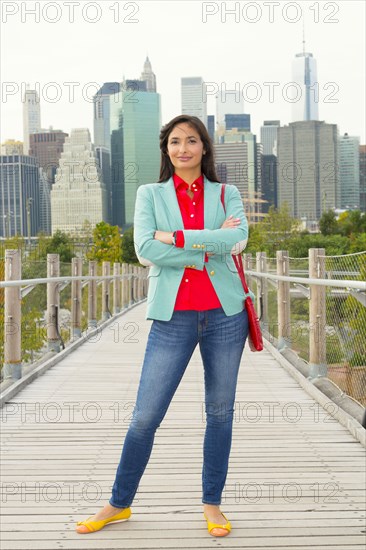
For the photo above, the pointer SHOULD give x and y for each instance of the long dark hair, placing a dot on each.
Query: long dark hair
(208, 162)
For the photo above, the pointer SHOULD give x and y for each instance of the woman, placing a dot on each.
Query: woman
(195, 296)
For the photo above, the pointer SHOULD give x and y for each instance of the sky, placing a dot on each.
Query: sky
(88, 43)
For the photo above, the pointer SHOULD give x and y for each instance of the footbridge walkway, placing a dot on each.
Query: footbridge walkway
(297, 468)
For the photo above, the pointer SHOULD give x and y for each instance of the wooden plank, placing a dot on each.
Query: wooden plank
(313, 455)
(188, 540)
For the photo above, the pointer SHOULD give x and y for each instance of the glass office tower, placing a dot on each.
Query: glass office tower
(19, 196)
(135, 126)
(349, 168)
(305, 97)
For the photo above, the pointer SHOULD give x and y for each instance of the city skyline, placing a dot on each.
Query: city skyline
(88, 57)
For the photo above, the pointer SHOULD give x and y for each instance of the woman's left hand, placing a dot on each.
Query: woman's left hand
(230, 222)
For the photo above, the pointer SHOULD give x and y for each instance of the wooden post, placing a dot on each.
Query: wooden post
(247, 262)
(106, 269)
(92, 296)
(12, 319)
(317, 316)
(283, 301)
(141, 279)
(141, 282)
(132, 275)
(124, 286)
(53, 304)
(76, 271)
(146, 270)
(116, 289)
(262, 294)
(130, 284)
(136, 283)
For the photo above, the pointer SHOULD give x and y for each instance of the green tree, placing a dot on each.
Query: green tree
(106, 244)
(128, 248)
(273, 232)
(352, 221)
(60, 243)
(280, 222)
(328, 223)
(33, 336)
(357, 242)
(334, 245)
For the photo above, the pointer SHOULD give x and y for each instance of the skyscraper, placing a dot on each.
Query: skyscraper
(363, 178)
(269, 136)
(231, 162)
(308, 178)
(211, 127)
(228, 102)
(44, 203)
(78, 194)
(19, 191)
(102, 134)
(304, 95)
(101, 103)
(31, 117)
(236, 164)
(103, 155)
(349, 171)
(194, 97)
(135, 126)
(149, 76)
(269, 181)
(240, 121)
(47, 147)
(248, 183)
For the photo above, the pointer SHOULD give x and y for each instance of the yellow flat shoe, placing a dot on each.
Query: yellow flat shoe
(93, 526)
(211, 526)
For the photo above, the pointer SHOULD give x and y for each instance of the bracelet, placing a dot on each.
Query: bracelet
(173, 238)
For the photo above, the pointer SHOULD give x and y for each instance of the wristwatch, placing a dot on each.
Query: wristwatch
(173, 238)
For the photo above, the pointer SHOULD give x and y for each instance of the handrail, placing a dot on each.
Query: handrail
(22, 282)
(358, 285)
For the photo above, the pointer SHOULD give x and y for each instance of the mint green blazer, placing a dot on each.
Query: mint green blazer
(157, 208)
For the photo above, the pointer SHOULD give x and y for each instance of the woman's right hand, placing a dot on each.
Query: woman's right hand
(230, 222)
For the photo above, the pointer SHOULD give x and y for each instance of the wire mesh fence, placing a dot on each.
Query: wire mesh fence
(346, 324)
(343, 346)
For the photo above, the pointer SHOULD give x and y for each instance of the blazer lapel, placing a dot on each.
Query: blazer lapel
(212, 203)
(169, 195)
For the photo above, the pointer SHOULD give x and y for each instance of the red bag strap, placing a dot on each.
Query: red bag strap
(237, 258)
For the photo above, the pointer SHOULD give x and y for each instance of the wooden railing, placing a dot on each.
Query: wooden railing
(129, 284)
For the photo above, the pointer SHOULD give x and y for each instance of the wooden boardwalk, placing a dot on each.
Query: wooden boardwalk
(296, 478)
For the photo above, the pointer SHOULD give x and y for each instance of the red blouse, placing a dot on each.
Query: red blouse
(196, 291)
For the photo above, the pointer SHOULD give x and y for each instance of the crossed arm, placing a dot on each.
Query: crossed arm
(153, 247)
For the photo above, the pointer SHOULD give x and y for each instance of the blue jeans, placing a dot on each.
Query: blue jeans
(169, 348)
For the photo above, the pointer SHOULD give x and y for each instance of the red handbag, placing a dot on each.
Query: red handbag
(255, 339)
